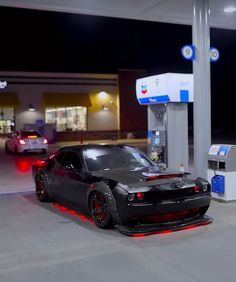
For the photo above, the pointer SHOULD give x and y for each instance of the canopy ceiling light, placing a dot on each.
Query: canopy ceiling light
(3, 84)
(31, 108)
(102, 95)
(230, 9)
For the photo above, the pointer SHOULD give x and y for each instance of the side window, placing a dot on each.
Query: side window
(56, 160)
(71, 161)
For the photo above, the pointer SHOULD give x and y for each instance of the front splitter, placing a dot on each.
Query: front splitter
(162, 228)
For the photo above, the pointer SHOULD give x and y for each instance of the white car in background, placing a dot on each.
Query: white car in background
(25, 141)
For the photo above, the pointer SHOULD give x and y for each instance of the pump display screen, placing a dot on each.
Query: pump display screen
(218, 150)
(157, 141)
(223, 150)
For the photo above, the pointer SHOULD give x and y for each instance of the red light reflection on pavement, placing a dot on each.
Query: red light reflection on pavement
(23, 165)
(135, 235)
(72, 212)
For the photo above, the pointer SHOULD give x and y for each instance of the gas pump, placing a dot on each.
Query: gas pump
(166, 97)
(157, 134)
(158, 146)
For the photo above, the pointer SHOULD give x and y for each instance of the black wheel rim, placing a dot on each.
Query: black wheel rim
(40, 191)
(99, 208)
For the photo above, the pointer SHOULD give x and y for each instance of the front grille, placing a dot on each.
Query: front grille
(168, 217)
(173, 194)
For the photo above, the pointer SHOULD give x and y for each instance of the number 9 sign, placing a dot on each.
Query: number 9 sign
(188, 52)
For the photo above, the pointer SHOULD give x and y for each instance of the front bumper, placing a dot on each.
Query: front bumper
(141, 230)
(129, 212)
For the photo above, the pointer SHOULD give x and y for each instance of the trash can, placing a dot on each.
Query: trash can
(218, 184)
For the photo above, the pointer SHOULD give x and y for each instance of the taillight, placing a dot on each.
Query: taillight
(45, 141)
(21, 141)
(131, 197)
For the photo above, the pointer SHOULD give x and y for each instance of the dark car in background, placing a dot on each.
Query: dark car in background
(119, 185)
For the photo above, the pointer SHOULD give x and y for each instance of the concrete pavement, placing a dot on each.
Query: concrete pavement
(41, 242)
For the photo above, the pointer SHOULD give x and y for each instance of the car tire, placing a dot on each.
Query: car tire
(7, 149)
(40, 189)
(44, 152)
(100, 211)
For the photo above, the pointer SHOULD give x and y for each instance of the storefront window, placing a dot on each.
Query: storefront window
(7, 120)
(67, 118)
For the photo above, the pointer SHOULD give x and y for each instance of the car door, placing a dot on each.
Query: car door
(72, 187)
(54, 174)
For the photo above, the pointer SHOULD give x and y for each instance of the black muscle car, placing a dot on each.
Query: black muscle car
(119, 185)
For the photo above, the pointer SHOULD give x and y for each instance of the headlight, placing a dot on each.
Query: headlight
(135, 196)
(204, 187)
(130, 197)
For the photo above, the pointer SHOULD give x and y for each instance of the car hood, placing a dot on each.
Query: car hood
(140, 177)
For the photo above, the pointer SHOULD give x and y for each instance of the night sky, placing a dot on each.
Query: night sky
(61, 42)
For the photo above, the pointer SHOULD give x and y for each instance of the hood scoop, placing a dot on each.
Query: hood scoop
(162, 176)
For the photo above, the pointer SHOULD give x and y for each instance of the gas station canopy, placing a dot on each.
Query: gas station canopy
(168, 11)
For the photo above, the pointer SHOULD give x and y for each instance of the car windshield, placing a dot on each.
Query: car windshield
(30, 134)
(115, 157)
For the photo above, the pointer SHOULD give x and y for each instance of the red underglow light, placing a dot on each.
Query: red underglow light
(139, 235)
(72, 212)
(167, 231)
(84, 217)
